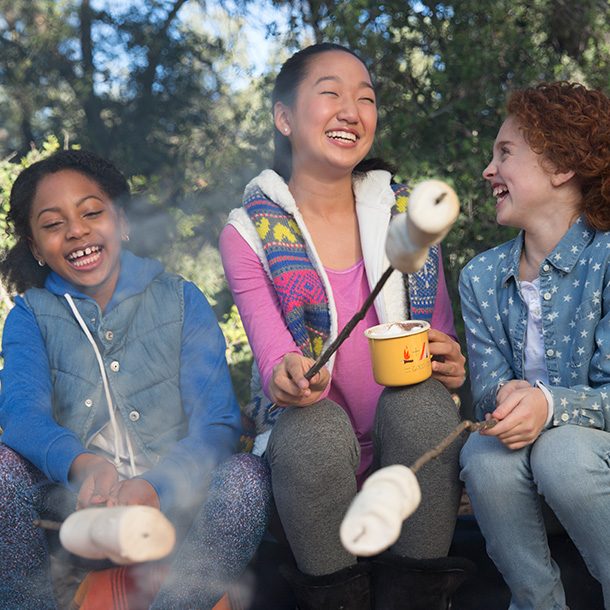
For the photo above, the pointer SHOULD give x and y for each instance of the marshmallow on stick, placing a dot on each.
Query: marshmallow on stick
(124, 534)
(376, 514)
(388, 497)
(433, 208)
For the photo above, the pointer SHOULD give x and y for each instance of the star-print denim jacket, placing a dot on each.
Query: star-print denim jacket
(575, 305)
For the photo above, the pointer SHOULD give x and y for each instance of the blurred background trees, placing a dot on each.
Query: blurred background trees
(176, 92)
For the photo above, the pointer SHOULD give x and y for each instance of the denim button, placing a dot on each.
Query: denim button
(565, 417)
(550, 352)
(115, 366)
(134, 416)
(547, 296)
(109, 335)
(88, 403)
(546, 267)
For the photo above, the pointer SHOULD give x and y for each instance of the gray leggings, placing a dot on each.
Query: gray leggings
(314, 454)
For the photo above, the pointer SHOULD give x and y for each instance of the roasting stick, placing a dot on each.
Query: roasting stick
(47, 524)
(433, 208)
(389, 496)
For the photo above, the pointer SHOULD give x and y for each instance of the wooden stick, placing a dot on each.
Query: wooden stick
(347, 329)
(436, 451)
(47, 525)
(344, 334)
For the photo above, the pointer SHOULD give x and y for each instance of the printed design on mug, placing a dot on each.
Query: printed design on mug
(423, 353)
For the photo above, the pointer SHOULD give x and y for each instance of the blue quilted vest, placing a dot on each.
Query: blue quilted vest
(140, 343)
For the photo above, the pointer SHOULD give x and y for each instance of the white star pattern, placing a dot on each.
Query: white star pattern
(575, 274)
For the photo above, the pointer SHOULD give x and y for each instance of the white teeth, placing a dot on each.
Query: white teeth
(499, 190)
(74, 256)
(342, 135)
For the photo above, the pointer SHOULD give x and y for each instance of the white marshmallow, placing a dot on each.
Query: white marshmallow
(124, 534)
(433, 208)
(374, 519)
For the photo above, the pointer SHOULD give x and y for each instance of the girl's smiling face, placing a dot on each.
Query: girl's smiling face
(76, 230)
(522, 181)
(332, 122)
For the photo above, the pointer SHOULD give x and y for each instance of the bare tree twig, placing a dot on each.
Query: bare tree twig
(436, 451)
(47, 525)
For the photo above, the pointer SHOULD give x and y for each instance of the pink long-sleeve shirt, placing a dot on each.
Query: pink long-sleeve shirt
(352, 384)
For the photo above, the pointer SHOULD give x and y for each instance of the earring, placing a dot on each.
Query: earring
(125, 237)
(41, 262)
(286, 130)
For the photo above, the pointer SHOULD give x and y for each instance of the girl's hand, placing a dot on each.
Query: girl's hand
(448, 364)
(96, 477)
(508, 387)
(288, 386)
(521, 413)
(134, 492)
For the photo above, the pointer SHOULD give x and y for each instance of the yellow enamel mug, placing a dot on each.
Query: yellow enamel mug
(400, 352)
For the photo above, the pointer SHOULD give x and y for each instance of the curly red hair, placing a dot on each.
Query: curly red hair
(570, 125)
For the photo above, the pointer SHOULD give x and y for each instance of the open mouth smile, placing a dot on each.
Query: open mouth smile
(84, 257)
(499, 192)
(342, 136)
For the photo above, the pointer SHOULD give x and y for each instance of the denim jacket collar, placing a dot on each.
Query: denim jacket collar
(565, 255)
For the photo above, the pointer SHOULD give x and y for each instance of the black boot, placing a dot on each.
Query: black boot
(401, 583)
(347, 589)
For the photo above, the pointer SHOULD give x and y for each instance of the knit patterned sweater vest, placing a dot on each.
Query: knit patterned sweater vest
(299, 288)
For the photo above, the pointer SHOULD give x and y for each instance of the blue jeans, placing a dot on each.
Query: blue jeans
(570, 467)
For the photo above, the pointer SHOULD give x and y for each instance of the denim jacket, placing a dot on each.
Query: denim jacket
(575, 305)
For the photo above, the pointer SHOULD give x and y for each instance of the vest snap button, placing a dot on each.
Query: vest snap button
(88, 403)
(109, 335)
(115, 366)
(134, 416)
(565, 417)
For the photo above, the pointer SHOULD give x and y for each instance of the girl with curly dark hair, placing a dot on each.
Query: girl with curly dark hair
(115, 391)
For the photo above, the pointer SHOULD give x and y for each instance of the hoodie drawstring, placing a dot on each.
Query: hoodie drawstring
(109, 403)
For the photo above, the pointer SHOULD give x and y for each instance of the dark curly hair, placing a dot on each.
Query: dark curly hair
(18, 268)
(570, 125)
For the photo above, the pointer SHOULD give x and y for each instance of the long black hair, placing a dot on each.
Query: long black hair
(290, 76)
(19, 269)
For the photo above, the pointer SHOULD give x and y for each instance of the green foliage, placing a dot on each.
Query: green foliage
(239, 354)
(9, 170)
(164, 89)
